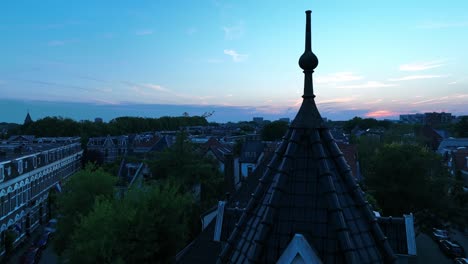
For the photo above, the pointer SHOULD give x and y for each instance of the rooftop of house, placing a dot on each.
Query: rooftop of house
(19, 146)
(217, 148)
(251, 151)
(450, 144)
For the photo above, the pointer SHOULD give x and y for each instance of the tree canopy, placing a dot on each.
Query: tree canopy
(148, 225)
(364, 123)
(184, 164)
(407, 178)
(77, 199)
(65, 127)
(274, 130)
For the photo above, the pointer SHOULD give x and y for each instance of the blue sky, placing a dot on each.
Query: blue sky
(377, 58)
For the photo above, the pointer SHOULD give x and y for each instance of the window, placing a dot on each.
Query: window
(35, 161)
(2, 171)
(20, 166)
(26, 164)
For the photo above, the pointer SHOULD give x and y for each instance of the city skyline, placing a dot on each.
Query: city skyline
(238, 58)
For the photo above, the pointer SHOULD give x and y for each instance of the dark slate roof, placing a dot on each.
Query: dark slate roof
(216, 148)
(350, 154)
(308, 189)
(251, 151)
(201, 250)
(394, 229)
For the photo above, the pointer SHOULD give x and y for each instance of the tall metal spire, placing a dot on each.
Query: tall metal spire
(308, 61)
(308, 115)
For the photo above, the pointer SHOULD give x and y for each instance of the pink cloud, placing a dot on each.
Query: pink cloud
(381, 113)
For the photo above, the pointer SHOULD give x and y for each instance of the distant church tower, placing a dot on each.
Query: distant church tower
(28, 119)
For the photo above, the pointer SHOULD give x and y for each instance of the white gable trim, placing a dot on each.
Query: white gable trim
(219, 221)
(299, 247)
(410, 235)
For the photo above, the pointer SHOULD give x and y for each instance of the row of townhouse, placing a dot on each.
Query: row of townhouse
(113, 147)
(28, 171)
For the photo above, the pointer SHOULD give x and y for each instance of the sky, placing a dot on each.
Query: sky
(86, 59)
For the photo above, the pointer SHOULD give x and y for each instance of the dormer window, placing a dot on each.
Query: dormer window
(20, 166)
(35, 161)
(9, 171)
(26, 164)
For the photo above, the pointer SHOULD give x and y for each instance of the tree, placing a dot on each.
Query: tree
(461, 128)
(148, 226)
(183, 164)
(407, 178)
(274, 131)
(77, 199)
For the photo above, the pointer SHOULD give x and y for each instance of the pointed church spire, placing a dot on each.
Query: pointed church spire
(28, 119)
(308, 115)
(308, 61)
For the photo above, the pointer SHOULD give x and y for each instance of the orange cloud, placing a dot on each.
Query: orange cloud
(381, 113)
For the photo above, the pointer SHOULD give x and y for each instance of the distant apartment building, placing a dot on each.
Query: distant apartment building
(29, 168)
(258, 120)
(435, 119)
(412, 119)
(430, 119)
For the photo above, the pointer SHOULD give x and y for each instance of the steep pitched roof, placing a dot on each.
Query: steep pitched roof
(251, 151)
(308, 189)
(216, 148)
(27, 119)
(450, 144)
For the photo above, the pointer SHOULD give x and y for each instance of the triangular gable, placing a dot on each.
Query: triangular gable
(299, 251)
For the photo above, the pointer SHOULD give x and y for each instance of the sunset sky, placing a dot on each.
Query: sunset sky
(376, 58)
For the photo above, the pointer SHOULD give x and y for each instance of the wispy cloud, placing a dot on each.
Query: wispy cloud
(236, 56)
(425, 101)
(381, 113)
(336, 100)
(440, 25)
(56, 84)
(156, 87)
(233, 32)
(421, 66)
(338, 77)
(416, 77)
(55, 43)
(377, 101)
(144, 32)
(369, 84)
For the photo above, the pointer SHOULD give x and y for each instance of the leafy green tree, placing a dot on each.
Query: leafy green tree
(77, 199)
(461, 128)
(148, 226)
(407, 178)
(458, 195)
(183, 164)
(274, 131)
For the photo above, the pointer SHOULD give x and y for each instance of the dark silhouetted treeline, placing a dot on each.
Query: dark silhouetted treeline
(66, 127)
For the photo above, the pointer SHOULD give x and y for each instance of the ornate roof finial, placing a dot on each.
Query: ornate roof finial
(308, 61)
